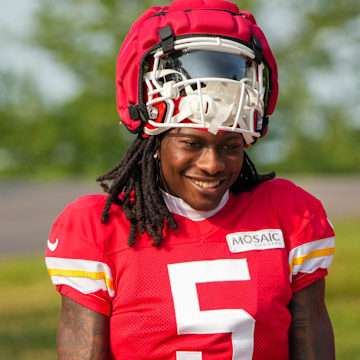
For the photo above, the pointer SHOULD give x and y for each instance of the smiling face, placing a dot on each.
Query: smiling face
(199, 167)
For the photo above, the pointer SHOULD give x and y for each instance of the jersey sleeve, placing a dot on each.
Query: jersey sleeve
(75, 256)
(310, 237)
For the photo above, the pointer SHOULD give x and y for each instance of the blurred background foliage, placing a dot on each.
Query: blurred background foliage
(315, 128)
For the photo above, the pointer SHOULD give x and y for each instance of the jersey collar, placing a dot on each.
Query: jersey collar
(180, 207)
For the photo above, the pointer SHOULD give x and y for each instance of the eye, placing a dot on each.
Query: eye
(193, 145)
(231, 147)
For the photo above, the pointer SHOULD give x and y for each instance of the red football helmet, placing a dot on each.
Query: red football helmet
(200, 64)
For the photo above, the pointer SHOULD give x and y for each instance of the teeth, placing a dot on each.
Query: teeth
(207, 184)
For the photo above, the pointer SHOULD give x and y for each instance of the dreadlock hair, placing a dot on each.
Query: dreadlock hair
(135, 186)
(249, 178)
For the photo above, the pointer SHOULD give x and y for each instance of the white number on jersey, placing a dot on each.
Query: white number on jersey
(189, 318)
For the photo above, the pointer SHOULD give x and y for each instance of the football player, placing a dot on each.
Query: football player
(192, 254)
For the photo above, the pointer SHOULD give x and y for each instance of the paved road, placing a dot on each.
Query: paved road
(27, 210)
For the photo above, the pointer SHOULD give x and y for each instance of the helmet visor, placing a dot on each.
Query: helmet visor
(197, 64)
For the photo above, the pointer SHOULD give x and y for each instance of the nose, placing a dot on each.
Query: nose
(210, 161)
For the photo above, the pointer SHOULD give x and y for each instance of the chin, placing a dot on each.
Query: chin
(203, 205)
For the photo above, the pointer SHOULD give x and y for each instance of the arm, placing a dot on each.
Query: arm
(83, 334)
(311, 334)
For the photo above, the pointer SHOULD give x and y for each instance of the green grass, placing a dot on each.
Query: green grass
(29, 304)
(29, 309)
(343, 290)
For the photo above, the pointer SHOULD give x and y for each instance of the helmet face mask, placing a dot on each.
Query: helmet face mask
(207, 82)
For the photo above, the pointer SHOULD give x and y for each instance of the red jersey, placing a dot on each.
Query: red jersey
(215, 289)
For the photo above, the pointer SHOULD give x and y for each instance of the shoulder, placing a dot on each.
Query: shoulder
(279, 185)
(286, 194)
(88, 207)
(79, 216)
(302, 216)
(85, 214)
(283, 200)
(85, 207)
(79, 227)
(77, 257)
(86, 203)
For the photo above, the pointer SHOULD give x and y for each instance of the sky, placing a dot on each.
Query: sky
(20, 56)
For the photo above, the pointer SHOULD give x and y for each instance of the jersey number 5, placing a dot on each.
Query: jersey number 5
(189, 318)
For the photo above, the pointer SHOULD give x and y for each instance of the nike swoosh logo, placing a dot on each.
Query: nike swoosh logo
(53, 246)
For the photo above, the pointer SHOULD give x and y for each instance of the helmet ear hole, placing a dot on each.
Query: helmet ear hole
(161, 107)
(158, 109)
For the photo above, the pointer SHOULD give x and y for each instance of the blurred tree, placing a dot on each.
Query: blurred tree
(315, 127)
(316, 45)
(24, 132)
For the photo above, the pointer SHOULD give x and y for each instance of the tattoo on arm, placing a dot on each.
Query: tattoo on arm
(83, 334)
(311, 335)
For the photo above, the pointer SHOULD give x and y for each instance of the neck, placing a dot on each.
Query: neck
(180, 207)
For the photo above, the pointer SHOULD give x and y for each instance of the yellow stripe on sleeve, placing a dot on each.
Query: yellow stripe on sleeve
(314, 254)
(83, 274)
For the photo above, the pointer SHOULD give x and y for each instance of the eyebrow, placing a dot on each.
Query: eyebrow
(178, 135)
(182, 135)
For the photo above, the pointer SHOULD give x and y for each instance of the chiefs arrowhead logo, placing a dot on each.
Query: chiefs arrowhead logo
(53, 246)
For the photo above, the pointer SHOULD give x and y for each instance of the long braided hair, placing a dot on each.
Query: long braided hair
(134, 185)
